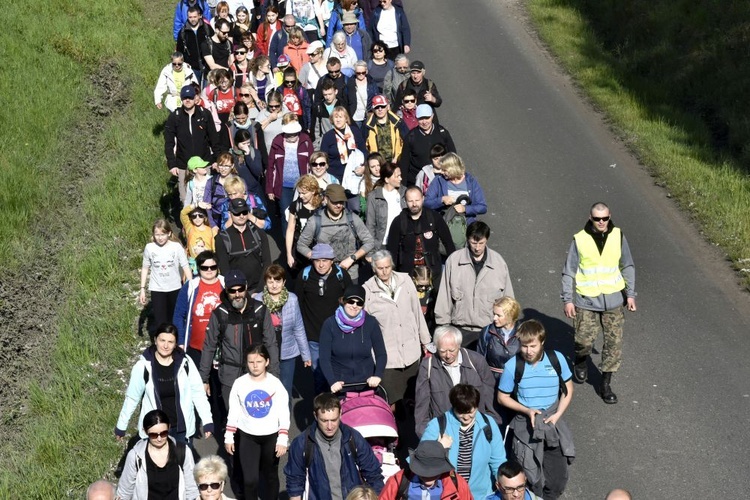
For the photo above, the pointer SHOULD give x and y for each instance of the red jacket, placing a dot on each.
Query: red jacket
(449, 488)
(275, 172)
(263, 38)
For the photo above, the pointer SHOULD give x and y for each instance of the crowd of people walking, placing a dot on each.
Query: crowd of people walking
(306, 123)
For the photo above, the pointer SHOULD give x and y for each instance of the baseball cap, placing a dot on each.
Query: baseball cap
(317, 44)
(417, 65)
(354, 291)
(187, 92)
(238, 205)
(283, 60)
(424, 111)
(379, 100)
(196, 162)
(234, 278)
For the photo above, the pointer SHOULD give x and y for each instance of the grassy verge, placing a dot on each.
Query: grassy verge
(674, 145)
(61, 121)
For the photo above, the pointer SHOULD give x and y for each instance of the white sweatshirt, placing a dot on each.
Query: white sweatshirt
(258, 408)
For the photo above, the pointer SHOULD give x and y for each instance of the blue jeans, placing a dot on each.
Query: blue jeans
(287, 194)
(318, 378)
(286, 375)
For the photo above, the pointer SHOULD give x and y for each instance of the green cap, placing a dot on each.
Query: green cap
(196, 162)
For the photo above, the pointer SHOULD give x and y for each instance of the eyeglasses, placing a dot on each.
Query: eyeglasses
(360, 73)
(205, 486)
(156, 435)
(378, 49)
(379, 107)
(600, 219)
(407, 101)
(240, 53)
(236, 290)
(176, 65)
(197, 216)
(209, 268)
(355, 302)
(224, 166)
(513, 489)
(243, 213)
(318, 164)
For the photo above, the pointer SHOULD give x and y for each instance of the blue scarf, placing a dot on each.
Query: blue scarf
(347, 324)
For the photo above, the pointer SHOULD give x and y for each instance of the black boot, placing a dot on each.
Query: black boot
(606, 393)
(581, 369)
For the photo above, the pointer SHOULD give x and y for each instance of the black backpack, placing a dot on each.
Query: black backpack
(521, 366)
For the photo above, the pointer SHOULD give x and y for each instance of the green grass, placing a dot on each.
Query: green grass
(674, 144)
(65, 440)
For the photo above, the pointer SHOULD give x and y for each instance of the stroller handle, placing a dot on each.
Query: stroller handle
(376, 389)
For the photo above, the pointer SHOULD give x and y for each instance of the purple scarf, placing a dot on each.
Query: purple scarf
(347, 324)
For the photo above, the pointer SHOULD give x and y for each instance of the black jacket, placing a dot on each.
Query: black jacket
(416, 152)
(194, 135)
(431, 228)
(316, 308)
(189, 43)
(249, 253)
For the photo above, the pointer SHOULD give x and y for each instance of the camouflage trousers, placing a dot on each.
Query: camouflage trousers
(589, 323)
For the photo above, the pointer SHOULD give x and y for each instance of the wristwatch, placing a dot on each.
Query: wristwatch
(353, 257)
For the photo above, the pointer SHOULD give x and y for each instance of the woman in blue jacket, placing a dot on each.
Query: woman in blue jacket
(474, 442)
(398, 41)
(456, 188)
(286, 317)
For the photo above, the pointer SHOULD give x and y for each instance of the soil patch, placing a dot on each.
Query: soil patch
(30, 296)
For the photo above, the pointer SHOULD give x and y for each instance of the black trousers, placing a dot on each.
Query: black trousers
(258, 454)
(162, 307)
(555, 469)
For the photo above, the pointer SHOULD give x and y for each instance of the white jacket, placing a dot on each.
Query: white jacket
(166, 85)
(133, 483)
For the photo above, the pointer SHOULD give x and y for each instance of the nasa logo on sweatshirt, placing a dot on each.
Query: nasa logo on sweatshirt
(258, 403)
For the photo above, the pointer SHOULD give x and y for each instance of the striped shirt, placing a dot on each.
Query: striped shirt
(465, 449)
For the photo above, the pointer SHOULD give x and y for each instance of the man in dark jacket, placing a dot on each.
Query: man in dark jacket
(319, 288)
(235, 325)
(332, 456)
(426, 90)
(333, 66)
(243, 246)
(419, 142)
(189, 39)
(415, 236)
(189, 131)
(451, 365)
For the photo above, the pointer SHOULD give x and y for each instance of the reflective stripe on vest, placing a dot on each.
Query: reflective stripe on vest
(599, 273)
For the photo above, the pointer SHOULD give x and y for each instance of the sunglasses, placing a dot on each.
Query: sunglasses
(332, 73)
(197, 216)
(176, 65)
(245, 95)
(407, 101)
(318, 164)
(360, 73)
(225, 33)
(423, 288)
(244, 212)
(355, 302)
(600, 219)
(378, 49)
(236, 290)
(155, 435)
(209, 268)
(290, 82)
(205, 486)
(240, 53)
(274, 106)
(379, 107)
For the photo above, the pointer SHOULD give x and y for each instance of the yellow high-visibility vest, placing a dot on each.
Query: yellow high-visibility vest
(599, 273)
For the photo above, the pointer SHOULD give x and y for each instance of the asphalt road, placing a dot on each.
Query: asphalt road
(543, 157)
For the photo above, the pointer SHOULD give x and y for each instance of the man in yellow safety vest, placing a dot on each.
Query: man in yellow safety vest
(601, 266)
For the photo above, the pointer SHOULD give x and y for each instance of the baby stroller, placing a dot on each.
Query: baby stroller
(371, 415)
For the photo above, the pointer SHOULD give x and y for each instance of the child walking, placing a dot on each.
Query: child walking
(164, 257)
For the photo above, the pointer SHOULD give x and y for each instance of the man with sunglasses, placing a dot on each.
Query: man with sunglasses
(243, 246)
(239, 322)
(384, 131)
(601, 266)
(319, 287)
(217, 50)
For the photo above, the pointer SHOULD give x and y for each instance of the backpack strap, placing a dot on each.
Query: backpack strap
(308, 450)
(306, 273)
(555, 362)
(442, 423)
(487, 429)
(521, 366)
(179, 453)
(403, 484)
